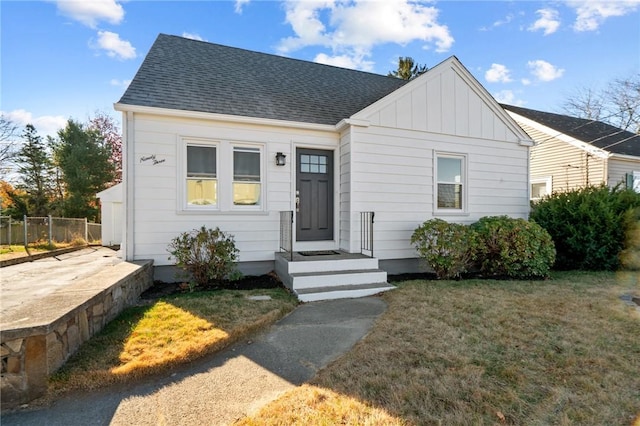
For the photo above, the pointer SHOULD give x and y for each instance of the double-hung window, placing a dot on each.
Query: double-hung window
(450, 182)
(247, 187)
(202, 177)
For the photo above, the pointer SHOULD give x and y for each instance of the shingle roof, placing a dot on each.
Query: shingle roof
(184, 74)
(596, 133)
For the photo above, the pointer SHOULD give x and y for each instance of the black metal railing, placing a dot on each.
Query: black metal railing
(286, 232)
(366, 232)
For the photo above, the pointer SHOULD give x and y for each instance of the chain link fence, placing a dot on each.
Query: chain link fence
(47, 230)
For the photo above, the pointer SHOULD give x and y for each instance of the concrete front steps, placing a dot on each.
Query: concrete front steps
(334, 276)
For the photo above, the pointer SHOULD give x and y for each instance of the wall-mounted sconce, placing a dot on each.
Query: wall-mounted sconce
(280, 159)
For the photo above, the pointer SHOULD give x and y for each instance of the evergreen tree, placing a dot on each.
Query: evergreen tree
(84, 163)
(408, 69)
(34, 167)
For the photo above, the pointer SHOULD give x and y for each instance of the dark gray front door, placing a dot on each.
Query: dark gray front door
(314, 189)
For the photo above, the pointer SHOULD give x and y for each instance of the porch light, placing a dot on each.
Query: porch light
(280, 159)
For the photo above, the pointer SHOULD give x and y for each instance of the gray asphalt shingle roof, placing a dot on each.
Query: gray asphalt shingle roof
(596, 133)
(185, 74)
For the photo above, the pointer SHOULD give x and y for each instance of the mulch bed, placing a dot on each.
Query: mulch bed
(161, 289)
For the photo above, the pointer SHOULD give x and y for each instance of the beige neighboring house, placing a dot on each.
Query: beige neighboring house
(573, 152)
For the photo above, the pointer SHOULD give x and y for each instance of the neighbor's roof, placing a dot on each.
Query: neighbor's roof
(596, 133)
(185, 74)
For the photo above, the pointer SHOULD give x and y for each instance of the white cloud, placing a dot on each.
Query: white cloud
(352, 28)
(44, 124)
(114, 46)
(499, 23)
(591, 14)
(90, 12)
(193, 36)
(239, 5)
(344, 61)
(544, 71)
(525, 81)
(508, 97)
(498, 73)
(548, 21)
(120, 83)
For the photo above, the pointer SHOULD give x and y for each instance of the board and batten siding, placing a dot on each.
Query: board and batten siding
(158, 217)
(392, 159)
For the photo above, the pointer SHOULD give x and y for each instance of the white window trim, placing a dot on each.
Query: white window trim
(464, 211)
(547, 180)
(224, 177)
(182, 175)
(229, 185)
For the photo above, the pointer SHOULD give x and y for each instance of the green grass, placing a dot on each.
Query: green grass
(144, 340)
(564, 351)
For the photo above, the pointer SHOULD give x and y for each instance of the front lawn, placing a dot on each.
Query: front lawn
(562, 351)
(176, 329)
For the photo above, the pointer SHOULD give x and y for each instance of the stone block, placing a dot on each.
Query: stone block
(84, 326)
(73, 339)
(14, 366)
(35, 366)
(55, 353)
(4, 351)
(14, 345)
(98, 309)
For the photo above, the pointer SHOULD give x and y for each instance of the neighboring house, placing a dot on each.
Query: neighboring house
(112, 215)
(205, 125)
(573, 152)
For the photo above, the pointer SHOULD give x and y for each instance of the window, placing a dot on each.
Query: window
(202, 183)
(246, 176)
(540, 187)
(313, 164)
(450, 172)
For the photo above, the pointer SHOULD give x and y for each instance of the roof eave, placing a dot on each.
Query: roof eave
(222, 117)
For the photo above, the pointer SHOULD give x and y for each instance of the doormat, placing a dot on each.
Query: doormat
(318, 253)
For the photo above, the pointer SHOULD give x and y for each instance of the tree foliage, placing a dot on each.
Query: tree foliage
(618, 104)
(112, 139)
(34, 167)
(407, 69)
(8, 148)
(84, 160)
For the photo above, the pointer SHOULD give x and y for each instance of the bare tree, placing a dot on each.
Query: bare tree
(618, 104)
(8, 144)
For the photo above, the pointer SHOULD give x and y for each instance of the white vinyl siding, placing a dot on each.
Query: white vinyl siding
(619, 167)
(159, 206)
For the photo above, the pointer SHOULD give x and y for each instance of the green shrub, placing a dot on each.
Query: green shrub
(589, 226)
(205, 255)
(514, 248)
(448, 248)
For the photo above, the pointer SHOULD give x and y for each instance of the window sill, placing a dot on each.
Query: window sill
(450, 213)
(235, 212)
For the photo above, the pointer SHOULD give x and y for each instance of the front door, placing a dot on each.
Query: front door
(314, 195)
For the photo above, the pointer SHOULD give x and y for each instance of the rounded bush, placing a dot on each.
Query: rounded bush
(205, 254)
(448, 248)
(514, 248)
(589, 225)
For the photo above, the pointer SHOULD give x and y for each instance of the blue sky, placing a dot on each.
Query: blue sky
(70, 58)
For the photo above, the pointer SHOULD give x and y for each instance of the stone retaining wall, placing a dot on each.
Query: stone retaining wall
(31, 354)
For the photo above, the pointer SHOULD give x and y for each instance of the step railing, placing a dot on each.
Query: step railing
(366, 232)
(286, 232)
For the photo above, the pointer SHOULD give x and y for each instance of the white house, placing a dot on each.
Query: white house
(206, 125)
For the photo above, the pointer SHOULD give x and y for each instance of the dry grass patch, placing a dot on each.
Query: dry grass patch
(562, 351)
(149, 339)
(311, 405)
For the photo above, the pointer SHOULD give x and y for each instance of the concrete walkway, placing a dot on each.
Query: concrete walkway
(222, 388)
